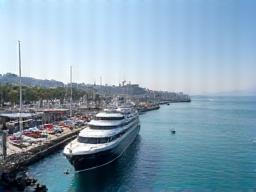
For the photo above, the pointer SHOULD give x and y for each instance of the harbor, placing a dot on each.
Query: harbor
(199, 156)
(127, 96)
(45, 131)
(41, 124)
(39, 142)
(47, 119)
(39, 117)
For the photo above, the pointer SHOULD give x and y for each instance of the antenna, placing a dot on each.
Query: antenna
(20, 118)
(70, 91)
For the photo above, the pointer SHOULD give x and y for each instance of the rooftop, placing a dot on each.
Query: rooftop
(17, 115)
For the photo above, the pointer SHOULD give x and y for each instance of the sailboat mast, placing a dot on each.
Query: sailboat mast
(20, 110)
(70, 91)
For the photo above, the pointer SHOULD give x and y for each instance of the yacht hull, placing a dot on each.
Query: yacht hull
(95, 160)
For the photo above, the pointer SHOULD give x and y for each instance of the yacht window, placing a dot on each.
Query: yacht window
(104, 140)
(102, 127)
(91, 140)
(109, 118)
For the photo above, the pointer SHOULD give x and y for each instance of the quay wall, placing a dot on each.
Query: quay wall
(50, 148)
(17, 161)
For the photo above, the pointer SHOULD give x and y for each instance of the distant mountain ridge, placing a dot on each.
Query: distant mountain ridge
(10, 78)
(130, 89)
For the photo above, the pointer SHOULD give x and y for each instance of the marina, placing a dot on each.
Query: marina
(127, 96)
(46, 131)
(213, 155)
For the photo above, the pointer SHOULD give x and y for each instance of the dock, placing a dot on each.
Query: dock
(18, 158)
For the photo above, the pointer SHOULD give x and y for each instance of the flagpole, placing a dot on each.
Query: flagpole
(70, 91)
(20, 110)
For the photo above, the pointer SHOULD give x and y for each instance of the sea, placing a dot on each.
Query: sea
(214, 149)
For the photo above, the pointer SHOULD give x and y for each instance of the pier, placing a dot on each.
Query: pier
(21, 157)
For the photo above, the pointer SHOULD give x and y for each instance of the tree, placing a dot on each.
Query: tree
(13, 96)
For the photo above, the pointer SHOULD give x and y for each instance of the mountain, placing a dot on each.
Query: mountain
(122, 89)
(10, 78)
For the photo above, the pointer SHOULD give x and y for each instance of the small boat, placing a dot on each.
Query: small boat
(173, 131)
(66, 172)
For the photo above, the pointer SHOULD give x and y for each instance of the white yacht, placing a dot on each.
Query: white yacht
(107, 136)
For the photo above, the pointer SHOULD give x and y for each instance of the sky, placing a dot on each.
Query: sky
(194, 46)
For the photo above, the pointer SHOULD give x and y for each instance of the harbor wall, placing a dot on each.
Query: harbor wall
(17, 161)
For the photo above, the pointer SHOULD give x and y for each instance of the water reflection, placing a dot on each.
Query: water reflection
(109, 178)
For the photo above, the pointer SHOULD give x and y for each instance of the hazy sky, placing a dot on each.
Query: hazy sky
(195, 46)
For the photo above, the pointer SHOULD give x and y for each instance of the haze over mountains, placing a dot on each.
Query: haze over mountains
(10, 78)
(13, 79)
(122, 88)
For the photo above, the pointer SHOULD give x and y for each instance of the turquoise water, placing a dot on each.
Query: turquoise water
(214, 149)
